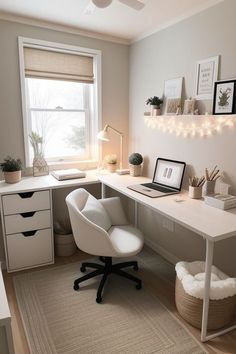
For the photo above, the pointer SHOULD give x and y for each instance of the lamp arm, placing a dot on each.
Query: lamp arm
(115, 130)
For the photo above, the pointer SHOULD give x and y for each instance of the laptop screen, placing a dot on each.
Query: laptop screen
(169, 173)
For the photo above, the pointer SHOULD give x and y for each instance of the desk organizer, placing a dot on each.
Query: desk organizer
(221, 311)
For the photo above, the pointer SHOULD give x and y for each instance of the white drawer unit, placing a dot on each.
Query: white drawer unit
(25, 202)
(28, 229)
(32, 220)
(29, 248)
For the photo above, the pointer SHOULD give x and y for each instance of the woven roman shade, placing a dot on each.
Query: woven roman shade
(48, 64)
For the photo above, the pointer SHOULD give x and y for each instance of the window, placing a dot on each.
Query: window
(60, 100)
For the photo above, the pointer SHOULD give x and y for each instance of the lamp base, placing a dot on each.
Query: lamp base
(123, 171)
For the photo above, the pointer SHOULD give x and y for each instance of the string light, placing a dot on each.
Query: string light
(183, 125)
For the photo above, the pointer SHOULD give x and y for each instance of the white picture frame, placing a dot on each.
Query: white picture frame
(206, 75)
(172, 92)
(173, 88)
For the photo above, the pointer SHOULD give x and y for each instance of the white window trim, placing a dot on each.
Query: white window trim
(96, 54)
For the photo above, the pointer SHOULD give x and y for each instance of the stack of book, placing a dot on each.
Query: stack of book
(71, 173)
(221, 201)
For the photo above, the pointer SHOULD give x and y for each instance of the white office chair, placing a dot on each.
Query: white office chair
(101, 228)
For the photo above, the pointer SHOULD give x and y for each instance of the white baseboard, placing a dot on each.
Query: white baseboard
(162, 252)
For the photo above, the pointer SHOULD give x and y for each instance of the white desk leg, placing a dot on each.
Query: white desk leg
(103, 191)
(205, 311)
(136, 213)
(9, 339)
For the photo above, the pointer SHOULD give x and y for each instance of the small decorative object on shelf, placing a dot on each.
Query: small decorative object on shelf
(210, 181)
(135, 164)
(189, 106)
(11, 169)
(111, 162)
(155, 103)
(40, 166)
(195, 187)
(178, 111)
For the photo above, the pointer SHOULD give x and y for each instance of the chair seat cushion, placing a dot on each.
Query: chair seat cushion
(96, 213)
(127, 240)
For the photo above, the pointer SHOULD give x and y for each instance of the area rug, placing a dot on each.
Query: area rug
(59, 320)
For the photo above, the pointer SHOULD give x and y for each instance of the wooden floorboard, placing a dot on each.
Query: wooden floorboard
(161, 287)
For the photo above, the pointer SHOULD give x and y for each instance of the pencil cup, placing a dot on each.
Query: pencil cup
(195, 192)
(209, 187)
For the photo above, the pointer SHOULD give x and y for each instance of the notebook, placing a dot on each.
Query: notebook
(71, 173)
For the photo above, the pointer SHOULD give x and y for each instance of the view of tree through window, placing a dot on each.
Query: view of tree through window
(58, 112)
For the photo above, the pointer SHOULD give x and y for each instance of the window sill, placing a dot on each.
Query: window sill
(60, 165)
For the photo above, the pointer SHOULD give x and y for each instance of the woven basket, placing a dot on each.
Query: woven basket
(221, 312)
(135, 170)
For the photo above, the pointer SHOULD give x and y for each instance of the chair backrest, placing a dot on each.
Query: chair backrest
(88, 236)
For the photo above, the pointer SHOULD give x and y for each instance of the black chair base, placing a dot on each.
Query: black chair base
(105, 270)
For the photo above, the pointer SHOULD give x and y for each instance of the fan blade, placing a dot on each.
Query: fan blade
(134, 4)
(89, 9)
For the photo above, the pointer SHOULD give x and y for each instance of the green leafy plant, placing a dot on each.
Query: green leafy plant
(135, 159)
(111, 159)
(11, 165)
(154, 101)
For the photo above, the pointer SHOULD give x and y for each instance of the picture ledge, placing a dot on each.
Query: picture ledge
(191, 126)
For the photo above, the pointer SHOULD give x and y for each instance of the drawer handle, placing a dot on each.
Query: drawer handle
(28, 215)
(26, 195)
(29, 233)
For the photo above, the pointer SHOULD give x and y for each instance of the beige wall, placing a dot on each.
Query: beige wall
(114, 84)
(172, 53)
(115, 87)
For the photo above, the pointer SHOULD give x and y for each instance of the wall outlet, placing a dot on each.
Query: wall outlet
(168, 224)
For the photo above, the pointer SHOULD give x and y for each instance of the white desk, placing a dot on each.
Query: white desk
(210, 223)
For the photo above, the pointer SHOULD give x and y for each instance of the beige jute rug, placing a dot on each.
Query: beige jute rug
(59, 320)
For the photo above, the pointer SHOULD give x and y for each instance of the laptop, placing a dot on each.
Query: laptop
(167, 179)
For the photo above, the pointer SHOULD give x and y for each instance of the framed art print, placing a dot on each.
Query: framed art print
(172, 95)
(224, 97)
(206, 75)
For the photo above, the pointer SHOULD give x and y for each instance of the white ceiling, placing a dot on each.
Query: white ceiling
(117, 20)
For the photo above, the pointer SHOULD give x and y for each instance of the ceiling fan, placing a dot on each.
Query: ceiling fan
(134, 4)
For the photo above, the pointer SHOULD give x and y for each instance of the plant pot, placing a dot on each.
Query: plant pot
(111, 167)
(195, 192)
(12, 177)
(64, 245)
(135, 170)
(155, 110)
(209, 188)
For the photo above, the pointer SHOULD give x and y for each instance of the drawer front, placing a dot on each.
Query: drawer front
(25, 202)
(35, 220)
(29, 250)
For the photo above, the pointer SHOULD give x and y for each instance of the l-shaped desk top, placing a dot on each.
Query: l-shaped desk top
(195, 215)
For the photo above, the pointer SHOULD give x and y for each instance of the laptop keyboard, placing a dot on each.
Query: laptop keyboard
(158, 188)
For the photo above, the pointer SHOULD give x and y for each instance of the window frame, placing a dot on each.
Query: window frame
(94, 125)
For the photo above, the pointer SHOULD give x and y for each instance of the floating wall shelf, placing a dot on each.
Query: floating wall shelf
(191, 125)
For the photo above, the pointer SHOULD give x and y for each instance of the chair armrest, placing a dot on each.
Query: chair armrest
(115, 210)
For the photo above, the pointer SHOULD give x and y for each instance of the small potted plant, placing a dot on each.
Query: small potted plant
(155, 103)
(11, 169)
(111, 162)
(135, 162)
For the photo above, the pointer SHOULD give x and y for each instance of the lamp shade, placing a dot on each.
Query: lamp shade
(103, 135)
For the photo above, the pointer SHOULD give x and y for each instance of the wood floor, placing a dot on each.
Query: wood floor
(160, 285)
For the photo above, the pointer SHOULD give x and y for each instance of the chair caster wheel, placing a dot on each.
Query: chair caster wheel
(76, 286)
(139, 286)
(135, 267)
(82, 269)
(99, 299)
